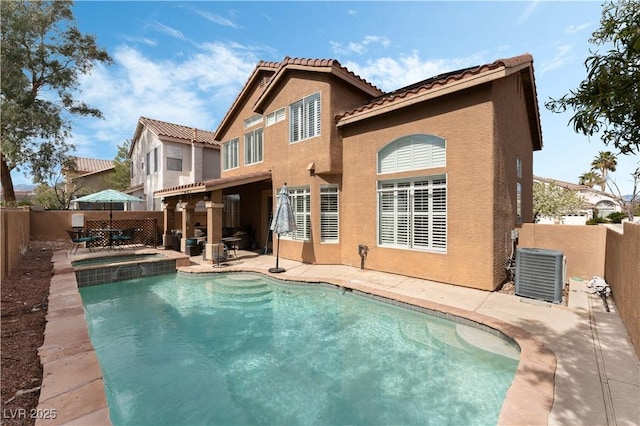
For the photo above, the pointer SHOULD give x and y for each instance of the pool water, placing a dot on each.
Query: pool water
(247, 349)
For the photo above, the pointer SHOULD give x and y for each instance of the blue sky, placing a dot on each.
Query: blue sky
(185, 62)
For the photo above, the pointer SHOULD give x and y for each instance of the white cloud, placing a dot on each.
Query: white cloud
(195, 91)
(390, 74)
(360, 47)
(563, 53)
(526, 13)
(172, 32)
(572, 29)
(217, 19)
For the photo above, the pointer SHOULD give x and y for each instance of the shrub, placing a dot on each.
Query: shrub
(596, 220)
(616, 217)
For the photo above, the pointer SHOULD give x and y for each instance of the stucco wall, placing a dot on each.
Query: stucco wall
(14, 238)
(53, 225)
(465, 121)
(513, 142)
(622, 273)
(583, 246)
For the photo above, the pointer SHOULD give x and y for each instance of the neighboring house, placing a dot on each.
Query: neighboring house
(90, 173)
(597, 203)
(165, 155)
(425, 181)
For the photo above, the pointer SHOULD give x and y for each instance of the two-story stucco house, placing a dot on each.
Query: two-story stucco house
(165, 154)
(428, 180)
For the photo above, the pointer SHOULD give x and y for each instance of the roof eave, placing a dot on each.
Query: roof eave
(333, 69)
(431, 93)
(252, 79)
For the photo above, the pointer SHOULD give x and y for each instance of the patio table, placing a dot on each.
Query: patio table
(108, 232)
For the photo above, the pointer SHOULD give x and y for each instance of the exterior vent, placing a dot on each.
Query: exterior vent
(540, 274)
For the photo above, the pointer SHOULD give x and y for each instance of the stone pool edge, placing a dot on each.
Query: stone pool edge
(72, 389)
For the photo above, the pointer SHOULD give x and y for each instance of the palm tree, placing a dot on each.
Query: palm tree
(604, 162)
(590, 179)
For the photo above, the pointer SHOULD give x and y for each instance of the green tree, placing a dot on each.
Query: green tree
(590, 179)
(43, 55)
(120, 179)
(553, 201)
(608, 100)
(604, 162)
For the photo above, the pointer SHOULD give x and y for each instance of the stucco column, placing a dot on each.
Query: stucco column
(169, 208)
(214, 227)
(187, 227)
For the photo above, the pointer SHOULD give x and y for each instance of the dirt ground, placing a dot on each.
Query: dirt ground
(24, 306)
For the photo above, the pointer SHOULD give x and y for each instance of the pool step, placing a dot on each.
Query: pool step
(242, 291)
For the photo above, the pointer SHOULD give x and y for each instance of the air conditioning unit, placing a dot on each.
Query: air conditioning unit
(540, 274)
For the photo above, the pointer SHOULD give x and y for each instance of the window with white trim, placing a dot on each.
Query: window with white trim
(230, 155)
(275, 117)
(412, 213)
(329, 214)
(412, 152)
(300, 199)
(253, 121)
(253, 147)
(304, 118)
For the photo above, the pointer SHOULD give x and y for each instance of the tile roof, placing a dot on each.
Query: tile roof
(573, 186)
(178, 131)
(325, 63)
(277, 69)
(437, 81)
(91, 165)
(209, 185)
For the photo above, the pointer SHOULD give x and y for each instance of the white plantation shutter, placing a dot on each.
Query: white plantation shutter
(300, 199)
(253, 147)
(305, 118)
(230, 154)
(387, 214)
(329, 219)
(412, 213)
(412, 152)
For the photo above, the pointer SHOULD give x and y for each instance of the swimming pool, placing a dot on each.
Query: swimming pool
(247, 349)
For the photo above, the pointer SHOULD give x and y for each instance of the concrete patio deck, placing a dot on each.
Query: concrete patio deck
(577, 365)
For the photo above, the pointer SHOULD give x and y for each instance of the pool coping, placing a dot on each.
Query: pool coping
(72, 382)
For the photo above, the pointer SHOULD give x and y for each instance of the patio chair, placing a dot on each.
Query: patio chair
(78, 237)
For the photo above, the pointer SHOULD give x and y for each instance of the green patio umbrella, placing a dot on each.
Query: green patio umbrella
(109, 196)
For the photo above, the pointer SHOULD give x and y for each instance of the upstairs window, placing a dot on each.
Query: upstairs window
(174, 158)
(155, 159)
(253, 147)
(230, 155)
(148, 163)
(275, 117)
(304, 118)
(413, 152)
(253, 121)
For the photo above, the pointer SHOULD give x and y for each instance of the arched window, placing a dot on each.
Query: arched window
(605, 207)
(412, 152)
